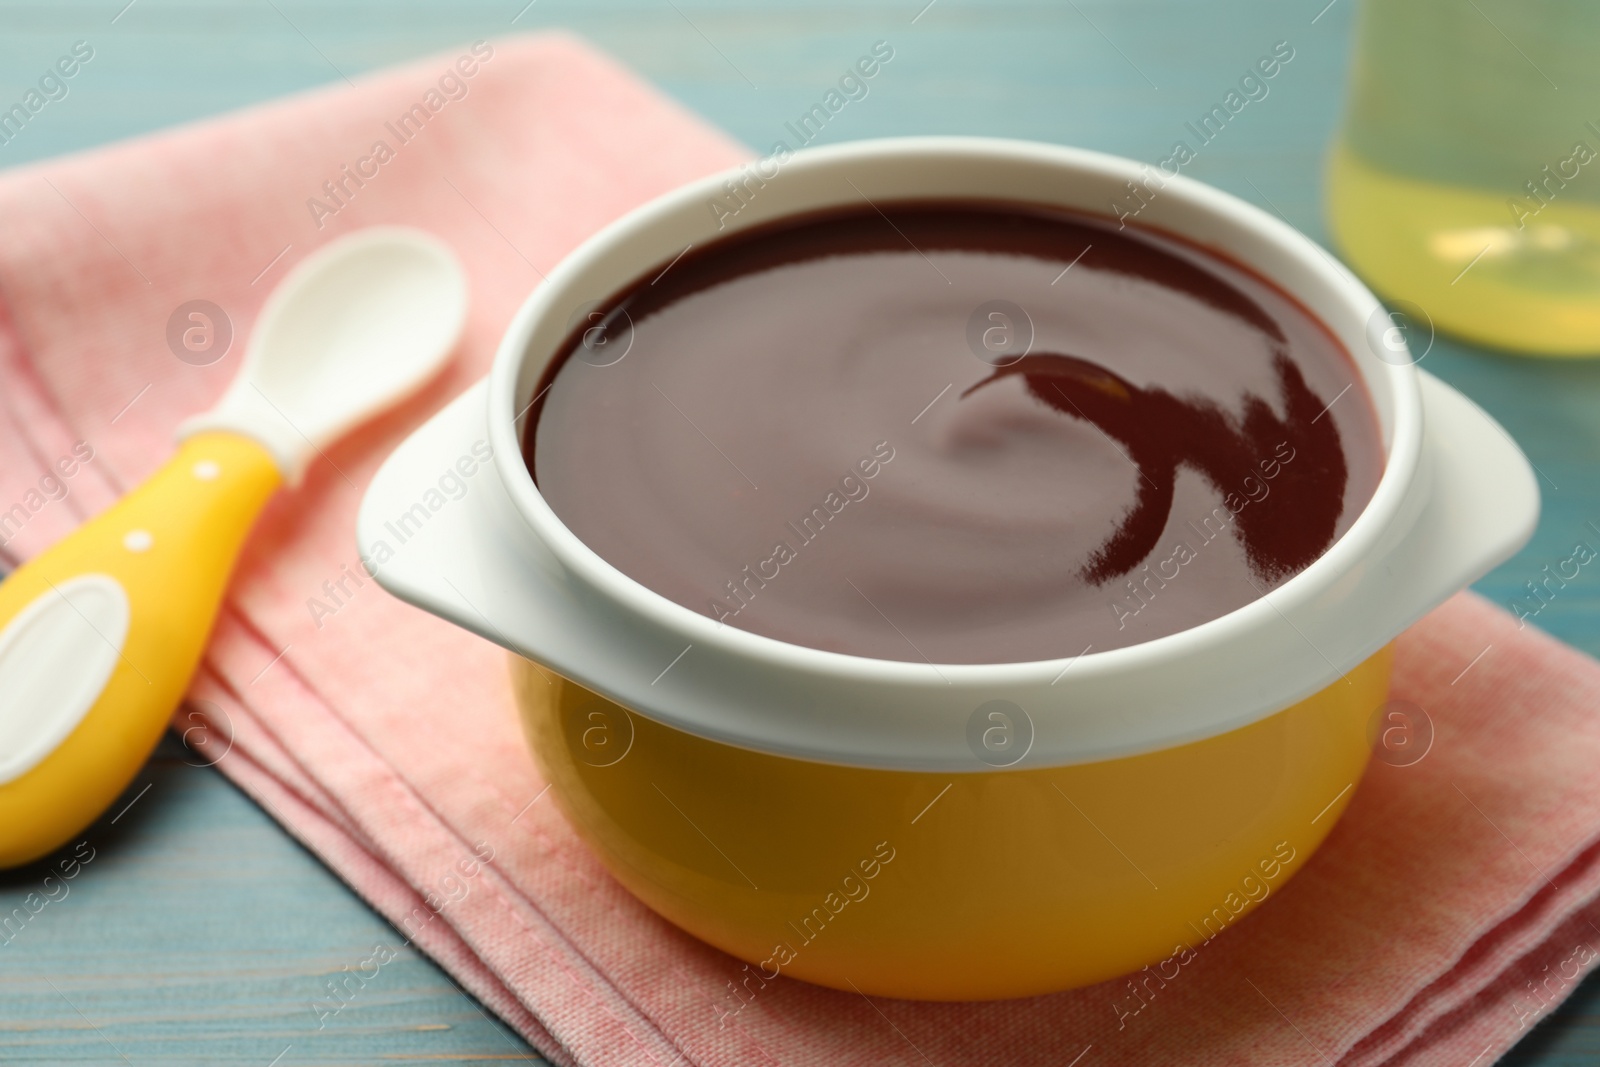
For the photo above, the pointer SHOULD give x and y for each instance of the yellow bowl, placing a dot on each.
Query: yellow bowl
(932, 886)
(964, 830)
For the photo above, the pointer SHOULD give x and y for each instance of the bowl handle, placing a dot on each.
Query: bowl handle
(1481, 504)
(473, 560)
(469, 557)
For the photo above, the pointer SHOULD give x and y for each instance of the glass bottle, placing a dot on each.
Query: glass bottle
(1466, 178)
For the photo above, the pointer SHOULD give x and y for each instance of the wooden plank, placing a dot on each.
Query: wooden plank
(200, 933)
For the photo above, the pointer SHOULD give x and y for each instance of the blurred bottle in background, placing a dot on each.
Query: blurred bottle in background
(1466, 178)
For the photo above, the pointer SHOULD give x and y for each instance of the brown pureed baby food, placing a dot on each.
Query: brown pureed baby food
(954, 432)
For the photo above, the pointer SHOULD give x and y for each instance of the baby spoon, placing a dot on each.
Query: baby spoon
(100, 634)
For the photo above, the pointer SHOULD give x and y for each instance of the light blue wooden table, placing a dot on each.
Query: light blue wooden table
(200, 933)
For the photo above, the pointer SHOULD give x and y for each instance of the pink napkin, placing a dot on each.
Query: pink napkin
(1450, 909)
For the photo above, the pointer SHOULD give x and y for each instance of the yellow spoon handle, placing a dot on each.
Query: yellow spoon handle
(100, 634)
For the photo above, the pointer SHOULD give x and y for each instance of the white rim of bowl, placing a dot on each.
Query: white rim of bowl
(1358, 542)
